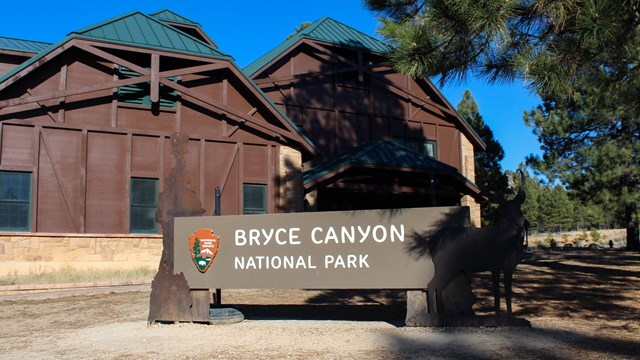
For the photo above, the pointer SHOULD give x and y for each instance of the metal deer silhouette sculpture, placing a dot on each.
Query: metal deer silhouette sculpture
(456, 250)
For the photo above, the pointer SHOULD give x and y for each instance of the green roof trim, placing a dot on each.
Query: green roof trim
(169, 15)
(27, 46)
(138, 29)
(326, 30)
(378, 153)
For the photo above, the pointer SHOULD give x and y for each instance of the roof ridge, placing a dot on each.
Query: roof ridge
(324, 18)
(84, 32)
(104, 22)
(184, 20)
(343, 38)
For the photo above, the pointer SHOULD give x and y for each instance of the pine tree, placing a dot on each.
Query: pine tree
(581, 57)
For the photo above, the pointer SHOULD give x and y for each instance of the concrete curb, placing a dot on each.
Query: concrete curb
(41, 287)
(54, 291)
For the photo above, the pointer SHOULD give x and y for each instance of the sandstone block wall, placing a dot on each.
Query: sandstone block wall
(21, 252)
(469, 170)
(291, 187)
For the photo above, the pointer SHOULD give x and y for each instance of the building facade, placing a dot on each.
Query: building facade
(322, 122)
(385, 140)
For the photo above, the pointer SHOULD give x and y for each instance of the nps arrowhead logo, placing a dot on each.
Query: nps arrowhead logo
(203, 246)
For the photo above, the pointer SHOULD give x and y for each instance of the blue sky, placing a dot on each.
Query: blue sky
(248, 29)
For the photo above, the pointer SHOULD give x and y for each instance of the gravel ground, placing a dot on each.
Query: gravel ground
(581, 306)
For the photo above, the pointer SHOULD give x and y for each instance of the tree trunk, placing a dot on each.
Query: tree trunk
(633, 240)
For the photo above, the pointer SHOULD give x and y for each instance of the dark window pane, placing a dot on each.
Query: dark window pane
(15, 201)
(143, 219)
(144, 193)
(254, 199)
(423, 147)
(144, 203)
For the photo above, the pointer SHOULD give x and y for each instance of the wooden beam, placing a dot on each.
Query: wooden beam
(83, 180)
(219, 107)
(290, 78)
(227, 170)
(35, 189)
(114, 59)
(62, 86)
(71, 92)
(140, 50)
(155, 84)
(42, 106)
(35, 65)
(193, 70)
(392, 87)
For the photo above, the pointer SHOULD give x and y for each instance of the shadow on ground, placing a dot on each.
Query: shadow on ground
(356, 305)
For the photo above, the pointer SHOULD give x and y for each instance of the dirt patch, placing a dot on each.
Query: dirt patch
(580, 305)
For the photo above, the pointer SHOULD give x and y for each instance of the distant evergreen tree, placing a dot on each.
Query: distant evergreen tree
(302, 26)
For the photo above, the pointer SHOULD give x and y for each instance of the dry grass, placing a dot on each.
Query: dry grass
(70, 275)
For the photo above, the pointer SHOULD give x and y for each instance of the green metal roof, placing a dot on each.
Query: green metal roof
(169, 15)
(325, 30)
(138, 29)
(27, 46)
(378, 153)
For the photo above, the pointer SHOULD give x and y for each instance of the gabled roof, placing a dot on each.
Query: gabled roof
(138, 29)
(378, 153)
(27, 46)
(325, 30)
(143, 31)
(334, 32)
(385, 155)
(168, 15)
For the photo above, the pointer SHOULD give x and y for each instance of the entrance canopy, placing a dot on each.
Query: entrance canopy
(382, 175)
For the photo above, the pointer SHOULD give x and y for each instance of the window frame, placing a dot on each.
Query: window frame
(255, 210)
(133, 206)
(414, 143)
(28, 201)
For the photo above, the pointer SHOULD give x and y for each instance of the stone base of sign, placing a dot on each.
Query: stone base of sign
(459, 312)
(457, 298)
(417, 313)
(456, 302)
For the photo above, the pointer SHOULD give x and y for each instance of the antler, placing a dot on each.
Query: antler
(522, 195)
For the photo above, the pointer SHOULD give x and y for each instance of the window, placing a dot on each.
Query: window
(15, 201)
(354, 79)
(138, 94)
(254, 199)
(424, 147)
(144, 203)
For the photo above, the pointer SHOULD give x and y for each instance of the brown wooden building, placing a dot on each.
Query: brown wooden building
(85, 126)
(337, 84)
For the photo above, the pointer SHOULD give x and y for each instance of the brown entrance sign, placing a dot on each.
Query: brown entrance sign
(369, 249)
